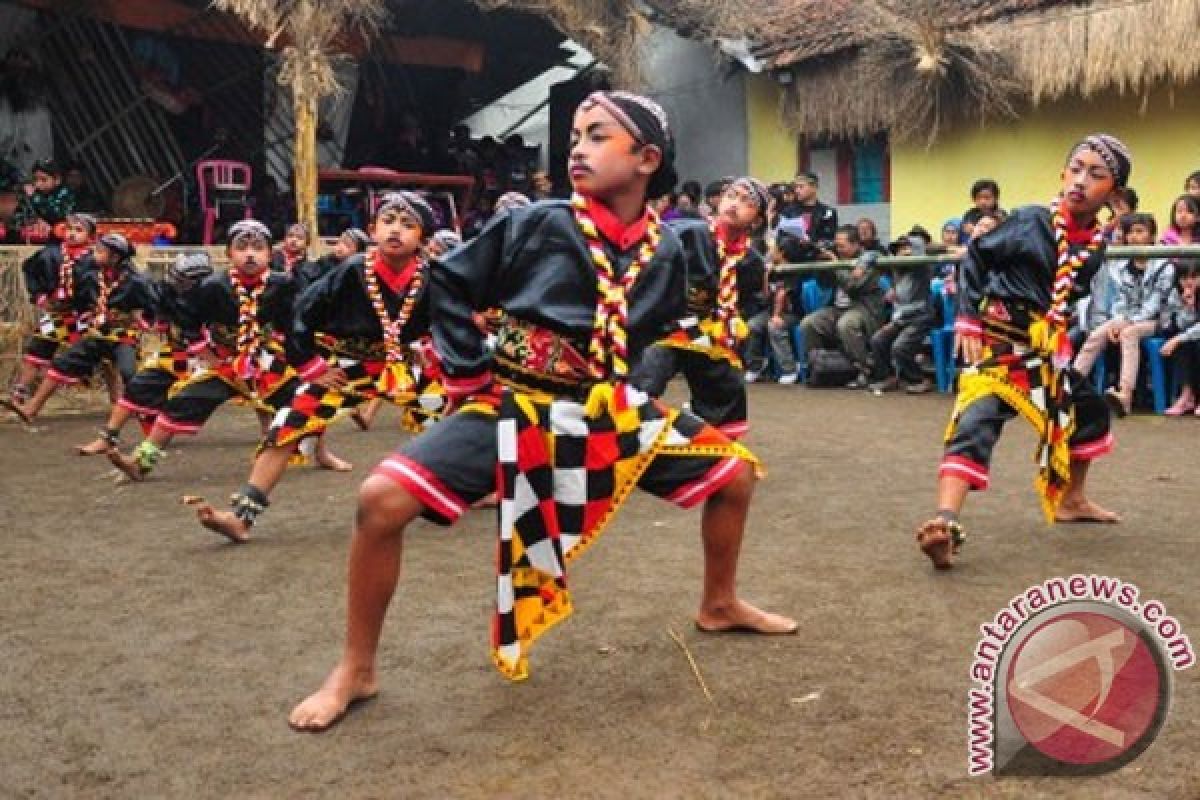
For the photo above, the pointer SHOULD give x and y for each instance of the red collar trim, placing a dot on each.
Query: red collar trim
(252, 281)
(1077, 235)
(612, 229)
(395, 280)
(734, 242)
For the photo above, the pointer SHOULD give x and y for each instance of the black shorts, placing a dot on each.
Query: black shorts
(453, 464)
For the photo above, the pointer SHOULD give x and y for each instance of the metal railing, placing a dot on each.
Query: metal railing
(911, 262)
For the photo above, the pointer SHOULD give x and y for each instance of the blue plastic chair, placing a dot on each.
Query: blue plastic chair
(1162, 380)
(942, 339)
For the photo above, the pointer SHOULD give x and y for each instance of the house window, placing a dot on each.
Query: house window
(856, 171)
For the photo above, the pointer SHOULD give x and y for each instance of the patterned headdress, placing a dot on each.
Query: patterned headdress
(1114, 152)
(248, 229)
(646, 121)
(410, 203)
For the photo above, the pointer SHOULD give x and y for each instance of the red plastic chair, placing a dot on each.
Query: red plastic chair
(222, 182)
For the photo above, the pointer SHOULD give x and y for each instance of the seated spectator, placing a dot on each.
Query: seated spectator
(898, 343)
(869, 234)
(47, 201)
(86, 198)
(1142, 288)
(1181, 327)
(695, 193)
(1192, 185)
(952, 234)
(985, 196)
(1185, 221)
(774, 318)
(857, 310)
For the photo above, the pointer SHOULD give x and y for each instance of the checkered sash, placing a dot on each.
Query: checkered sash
(65, 327)
(707, 336)
(313, 407)
(268, 369)
(564, 468)
(1027, 380)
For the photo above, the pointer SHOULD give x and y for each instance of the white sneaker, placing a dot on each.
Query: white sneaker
(751, 376)
(788, 378)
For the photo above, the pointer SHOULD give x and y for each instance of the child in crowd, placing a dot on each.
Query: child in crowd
(47, 202)
(1142, 288)
(985, 196)
(1185, 221)
(351, 241)
(1181, 327)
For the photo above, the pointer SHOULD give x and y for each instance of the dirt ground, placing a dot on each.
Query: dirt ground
(142, 657)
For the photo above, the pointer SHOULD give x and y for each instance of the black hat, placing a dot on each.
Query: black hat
(412, 203)
(48, 166)
(646, 122)
(118, 244)
(86, 220)
(249, 228)
(359, 237)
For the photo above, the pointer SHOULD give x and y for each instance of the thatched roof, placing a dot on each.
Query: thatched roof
(914, 66)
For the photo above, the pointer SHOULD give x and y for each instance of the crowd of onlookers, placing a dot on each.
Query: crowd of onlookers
(867, 327)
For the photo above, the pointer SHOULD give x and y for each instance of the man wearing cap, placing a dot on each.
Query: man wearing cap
(726, 282)
(549, 419)
(123, 296)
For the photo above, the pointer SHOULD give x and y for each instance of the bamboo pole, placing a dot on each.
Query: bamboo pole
(305, 158)
(911, 262)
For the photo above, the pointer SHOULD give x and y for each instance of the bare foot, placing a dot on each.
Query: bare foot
(1085, 511)
(487, 501)
(126, 464)
(16, 408)
(936, 540)
(325, 707)
(741, 617)
(328, 460)
(97, 447)
(225, 523)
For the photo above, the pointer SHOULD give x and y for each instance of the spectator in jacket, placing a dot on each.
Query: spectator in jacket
(820, 220)
(1142, 288)
(900, 340)
(857, 310)
(1180, 325)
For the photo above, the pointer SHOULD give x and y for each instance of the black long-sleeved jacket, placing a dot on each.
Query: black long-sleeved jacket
(533, 263)
(338, 305)
(704, 271)
(1016, 262)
